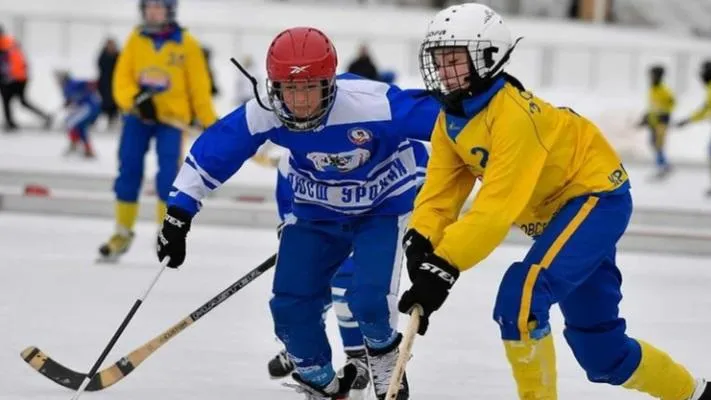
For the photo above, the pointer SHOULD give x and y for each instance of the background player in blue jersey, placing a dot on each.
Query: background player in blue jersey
(353, 173)
(352, 339)
(83, 103)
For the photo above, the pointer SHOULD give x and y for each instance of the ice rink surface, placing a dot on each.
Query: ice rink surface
(52, 295)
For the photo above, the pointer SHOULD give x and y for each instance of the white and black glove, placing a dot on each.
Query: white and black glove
(172, 236)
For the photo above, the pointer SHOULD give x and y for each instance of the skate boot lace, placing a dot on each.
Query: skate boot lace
(382, 367)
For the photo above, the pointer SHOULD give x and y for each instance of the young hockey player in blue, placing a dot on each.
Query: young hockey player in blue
(353, 173)
(351, 337)
(83, 103)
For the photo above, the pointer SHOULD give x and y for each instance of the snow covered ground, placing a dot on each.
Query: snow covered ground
(53, 296)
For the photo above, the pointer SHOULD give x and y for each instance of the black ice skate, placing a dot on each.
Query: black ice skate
(703, 390)
(280, 366)
(382, 364)
(336, 390)
(360, 359)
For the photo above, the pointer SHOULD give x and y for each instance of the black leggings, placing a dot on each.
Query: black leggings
(12, 90)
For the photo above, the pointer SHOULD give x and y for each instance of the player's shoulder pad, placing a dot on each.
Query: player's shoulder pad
(514, 100)
(358, 84)
(359, 100)
(187, 36)
(258, 119)
(134, 35)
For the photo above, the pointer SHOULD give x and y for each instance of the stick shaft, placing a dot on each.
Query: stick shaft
(119, 331)
(405, 351)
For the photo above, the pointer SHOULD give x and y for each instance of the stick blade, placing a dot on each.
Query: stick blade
(56, 372)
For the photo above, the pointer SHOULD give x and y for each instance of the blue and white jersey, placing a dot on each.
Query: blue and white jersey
(80, 92)
(285, 193)
(358, 162)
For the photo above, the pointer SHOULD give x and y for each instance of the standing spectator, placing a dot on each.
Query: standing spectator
(107, 63)
(13, 80)
(363, 65)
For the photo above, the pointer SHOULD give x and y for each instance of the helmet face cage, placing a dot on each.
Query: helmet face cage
(170, 8)
(482, 68)
(706, 71)
(656, 74)
(275, 92)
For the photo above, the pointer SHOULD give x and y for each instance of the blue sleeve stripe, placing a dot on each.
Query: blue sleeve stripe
(207, 183)
(190, 160)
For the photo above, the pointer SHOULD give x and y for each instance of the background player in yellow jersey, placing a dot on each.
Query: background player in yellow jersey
(704, 112)
(549, 171)
(161, 79)
(661, 105)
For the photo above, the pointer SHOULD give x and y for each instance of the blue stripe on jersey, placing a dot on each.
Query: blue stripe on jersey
(359, 161)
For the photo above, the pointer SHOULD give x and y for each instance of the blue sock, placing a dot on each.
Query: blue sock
(661, 159)
(319, 376)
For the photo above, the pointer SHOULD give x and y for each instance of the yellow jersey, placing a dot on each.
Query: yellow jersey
(174, 67)
(531, 157)
(705, 110)
(661, 104)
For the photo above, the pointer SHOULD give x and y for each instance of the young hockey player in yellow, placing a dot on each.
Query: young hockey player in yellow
(161, 77)
(551, 172)
(704, 112)
(661, 105)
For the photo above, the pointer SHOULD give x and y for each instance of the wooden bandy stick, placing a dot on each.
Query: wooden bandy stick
(405, 351)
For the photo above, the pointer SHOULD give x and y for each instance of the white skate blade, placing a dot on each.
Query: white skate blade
(108, 259)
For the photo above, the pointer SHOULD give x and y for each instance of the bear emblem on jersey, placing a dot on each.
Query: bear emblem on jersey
(339, 162)
(359, 136)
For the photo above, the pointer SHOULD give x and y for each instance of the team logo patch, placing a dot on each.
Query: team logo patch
(154, 78)
(359, 136)
(339, 162)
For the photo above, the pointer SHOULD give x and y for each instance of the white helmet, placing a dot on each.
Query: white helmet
(475, 27)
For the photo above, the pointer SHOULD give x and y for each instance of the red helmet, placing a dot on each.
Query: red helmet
(301, 54)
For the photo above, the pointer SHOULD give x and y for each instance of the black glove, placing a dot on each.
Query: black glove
(171, 238)
(145, 107)
(430, 287)
(416, 248)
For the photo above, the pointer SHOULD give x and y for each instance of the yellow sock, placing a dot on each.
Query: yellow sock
(534, 367)
(661, 377)
(161, 210)
(126, 214)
